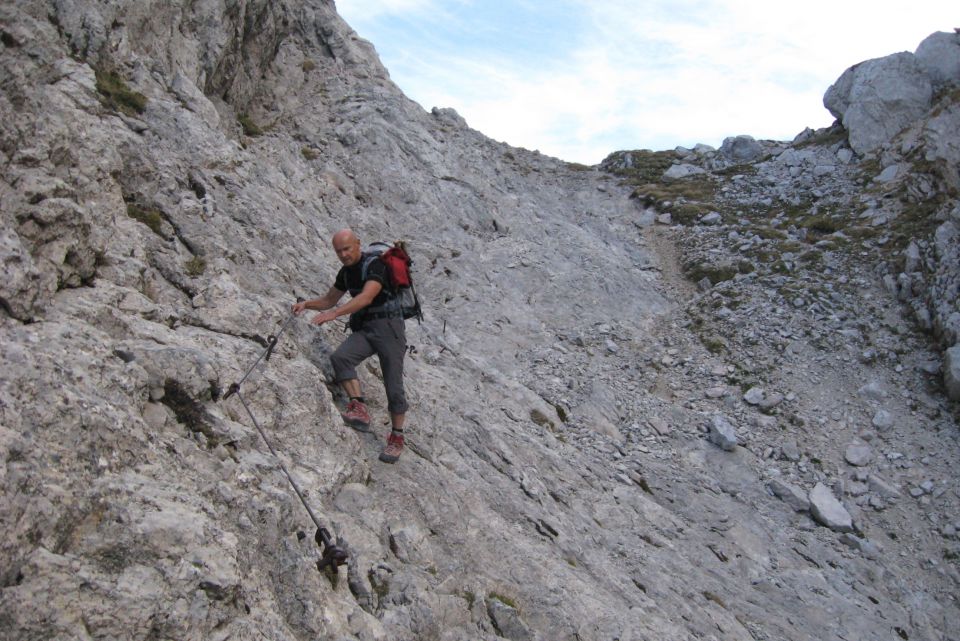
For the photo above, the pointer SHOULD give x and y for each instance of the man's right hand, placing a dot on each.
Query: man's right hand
(298, 307)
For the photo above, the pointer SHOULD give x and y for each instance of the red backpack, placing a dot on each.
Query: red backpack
(398, 263)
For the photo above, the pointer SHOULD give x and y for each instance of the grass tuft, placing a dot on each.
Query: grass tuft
(150, 217)
(250, 128)
(116, 95)
(195, 266)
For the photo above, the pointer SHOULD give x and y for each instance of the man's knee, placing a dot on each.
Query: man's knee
(343, 366)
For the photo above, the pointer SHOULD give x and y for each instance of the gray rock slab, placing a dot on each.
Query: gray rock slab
(507, 622)
(828, 511)
(882, 487)
(722, 433)
(790, 494)
(682, 171)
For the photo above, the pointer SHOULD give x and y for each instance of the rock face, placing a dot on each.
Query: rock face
(172, 174)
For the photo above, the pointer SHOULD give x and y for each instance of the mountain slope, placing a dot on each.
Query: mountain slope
(172, 174)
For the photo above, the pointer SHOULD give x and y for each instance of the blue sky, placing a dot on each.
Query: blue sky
(578, 79)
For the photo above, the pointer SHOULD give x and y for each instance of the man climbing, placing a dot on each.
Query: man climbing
(376, 328)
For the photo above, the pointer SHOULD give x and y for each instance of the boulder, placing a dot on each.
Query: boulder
(939, 55)
(875, 100)
(741, 149)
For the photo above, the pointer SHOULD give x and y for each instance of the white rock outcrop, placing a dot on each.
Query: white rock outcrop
(877, 99)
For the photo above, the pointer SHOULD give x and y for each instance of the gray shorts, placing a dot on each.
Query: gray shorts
(385, 337)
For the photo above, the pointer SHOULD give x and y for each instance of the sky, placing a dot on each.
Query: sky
(579, 79)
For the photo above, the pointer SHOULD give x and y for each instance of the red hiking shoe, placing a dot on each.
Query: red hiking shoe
(394, 448)
(356, 415)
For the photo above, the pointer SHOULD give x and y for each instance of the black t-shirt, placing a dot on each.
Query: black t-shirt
(349, 279)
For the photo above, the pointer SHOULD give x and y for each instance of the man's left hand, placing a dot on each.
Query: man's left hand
(323, 317)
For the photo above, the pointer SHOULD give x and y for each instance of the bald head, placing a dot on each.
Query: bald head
(347, 246)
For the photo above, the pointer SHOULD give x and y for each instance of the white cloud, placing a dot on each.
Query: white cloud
(644, 73)
(372, 9)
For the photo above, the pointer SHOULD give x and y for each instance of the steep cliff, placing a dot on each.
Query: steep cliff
(588, 459)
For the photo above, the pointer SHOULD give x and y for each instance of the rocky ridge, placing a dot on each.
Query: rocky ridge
(643, 406)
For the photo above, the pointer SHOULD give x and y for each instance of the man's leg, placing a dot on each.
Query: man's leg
(344, 360)
(351, 387)
(390, 344)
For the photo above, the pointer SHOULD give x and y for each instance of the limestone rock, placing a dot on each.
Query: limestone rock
(877, 99)
(682, 171)
(858, 454)
(552, 487)
(507, 622)
(939, 55)
(828, 511)
(790, 494)
(882, 420)
(741, 148)
(722, 433)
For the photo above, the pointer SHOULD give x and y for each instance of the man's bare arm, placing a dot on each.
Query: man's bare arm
(326, 301)
(370, 290)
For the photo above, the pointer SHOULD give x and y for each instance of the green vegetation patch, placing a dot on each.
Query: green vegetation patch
(822, 224)
(715, 273)
(116, 95)
(686, 200)
(149, 216)
(643, 165)
(697, 188)
(714, 344)
(541, 419)
(250, 128)
(504, 600)
(947, 97)
(195, 266)
(746, 169)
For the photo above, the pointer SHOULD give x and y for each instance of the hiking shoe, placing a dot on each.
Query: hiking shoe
(356, 415)
(394, 448)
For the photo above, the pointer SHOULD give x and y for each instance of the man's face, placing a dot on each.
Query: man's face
(348, 250)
